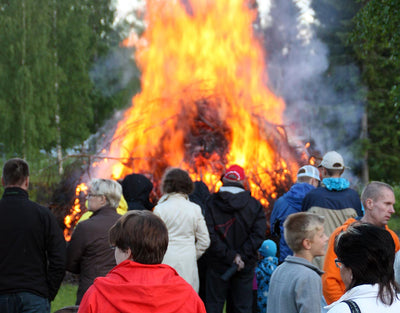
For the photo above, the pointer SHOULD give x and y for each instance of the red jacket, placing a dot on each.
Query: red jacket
(139, 288)
(332, 285)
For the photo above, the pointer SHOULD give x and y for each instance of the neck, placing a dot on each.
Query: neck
(368, 219)
(305, 254)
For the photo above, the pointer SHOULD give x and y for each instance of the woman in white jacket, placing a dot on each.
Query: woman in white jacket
(187, 230)
(365, 258)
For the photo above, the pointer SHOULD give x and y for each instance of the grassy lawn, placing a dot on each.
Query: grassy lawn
(66, 297)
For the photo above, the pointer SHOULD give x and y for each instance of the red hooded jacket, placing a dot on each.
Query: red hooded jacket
(141, 288)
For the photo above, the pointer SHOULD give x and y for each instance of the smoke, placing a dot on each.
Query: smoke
(322, 107)
(112, 73)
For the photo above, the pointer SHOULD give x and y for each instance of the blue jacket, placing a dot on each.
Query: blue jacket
(288, 204)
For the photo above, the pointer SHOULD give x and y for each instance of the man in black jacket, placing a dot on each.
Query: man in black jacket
(237, 225)
(32, 246)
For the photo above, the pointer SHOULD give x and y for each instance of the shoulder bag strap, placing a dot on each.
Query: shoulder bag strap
(353, 306)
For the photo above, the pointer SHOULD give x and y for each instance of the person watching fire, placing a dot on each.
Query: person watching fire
(32, 253)
(139, 283)
(333, 199)
(89, 253)
(237, 225)
(307, 180)
(187, 230)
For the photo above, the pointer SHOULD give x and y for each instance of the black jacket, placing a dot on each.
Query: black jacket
(89, 251)
(236, 223)
(32, 246)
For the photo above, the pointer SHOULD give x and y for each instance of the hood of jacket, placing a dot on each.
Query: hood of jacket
(297, 193)
(136, 287)
(232, 198)
(136, 188)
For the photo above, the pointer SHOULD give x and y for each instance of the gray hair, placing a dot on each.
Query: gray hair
(109, 188)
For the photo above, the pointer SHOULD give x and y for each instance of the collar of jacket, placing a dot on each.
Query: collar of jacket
(15, 192)
(104, 209)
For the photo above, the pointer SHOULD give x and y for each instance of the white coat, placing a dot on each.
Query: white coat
(187, 232)
(366, 297)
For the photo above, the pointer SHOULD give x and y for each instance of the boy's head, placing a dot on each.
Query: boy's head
(305, 231)
(268, 248)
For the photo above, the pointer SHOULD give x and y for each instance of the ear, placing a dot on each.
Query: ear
(306, 244)
(25, 184)
(2, 181)
(369, 203)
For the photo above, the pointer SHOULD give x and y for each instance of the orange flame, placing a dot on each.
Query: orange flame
(75, 212)
(202, 63)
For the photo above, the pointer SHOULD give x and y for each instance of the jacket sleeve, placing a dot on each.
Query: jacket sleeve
(76, 248)
(332, 284)
(201, 234)
(256, 235)
(56, 257)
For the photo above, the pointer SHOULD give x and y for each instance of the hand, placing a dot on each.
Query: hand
(239, 262)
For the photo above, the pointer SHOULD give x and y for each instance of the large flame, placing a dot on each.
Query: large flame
(202, 70)
(204, 102)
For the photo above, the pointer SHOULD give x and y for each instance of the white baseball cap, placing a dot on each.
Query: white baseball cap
(332, 161)
(309, 171)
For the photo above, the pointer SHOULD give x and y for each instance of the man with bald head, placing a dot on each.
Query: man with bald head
(378, 200)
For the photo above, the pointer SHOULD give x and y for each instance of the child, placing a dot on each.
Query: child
(265, 266)
(296, 285)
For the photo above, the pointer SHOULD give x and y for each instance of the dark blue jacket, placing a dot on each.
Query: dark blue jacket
(288, 204)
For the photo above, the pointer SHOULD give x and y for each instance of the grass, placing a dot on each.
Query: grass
(66, 296)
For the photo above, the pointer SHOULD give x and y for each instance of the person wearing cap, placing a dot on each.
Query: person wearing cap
(334, 199)
(237, 225)
(267, 263)
(378, 200)
(307, 180)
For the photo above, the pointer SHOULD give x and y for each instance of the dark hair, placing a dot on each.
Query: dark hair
(144, 233)
(15, 171)
(176, 180)
(369, 252)
(373, 191)
(332, 172)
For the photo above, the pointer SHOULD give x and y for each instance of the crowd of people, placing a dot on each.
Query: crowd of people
(194, 251)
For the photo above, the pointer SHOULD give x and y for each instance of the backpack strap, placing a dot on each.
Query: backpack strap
(353, 306)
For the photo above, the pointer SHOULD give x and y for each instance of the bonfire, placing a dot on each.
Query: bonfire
(204, 103)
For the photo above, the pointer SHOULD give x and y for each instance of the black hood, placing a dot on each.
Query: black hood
(137, 188)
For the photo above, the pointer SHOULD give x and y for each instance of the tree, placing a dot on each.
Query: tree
(376, 41)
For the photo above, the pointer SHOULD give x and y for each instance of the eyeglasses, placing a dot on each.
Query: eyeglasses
(339, 263)
(91, 195)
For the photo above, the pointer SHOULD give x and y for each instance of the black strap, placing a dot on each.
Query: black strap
(353, 306)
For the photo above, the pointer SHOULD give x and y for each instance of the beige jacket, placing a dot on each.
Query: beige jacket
(187, 232)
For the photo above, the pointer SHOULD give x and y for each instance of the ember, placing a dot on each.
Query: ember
(204, 103)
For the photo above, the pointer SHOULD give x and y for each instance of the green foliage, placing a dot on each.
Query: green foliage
(376, 41)
(66, 296)
(46, 93)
